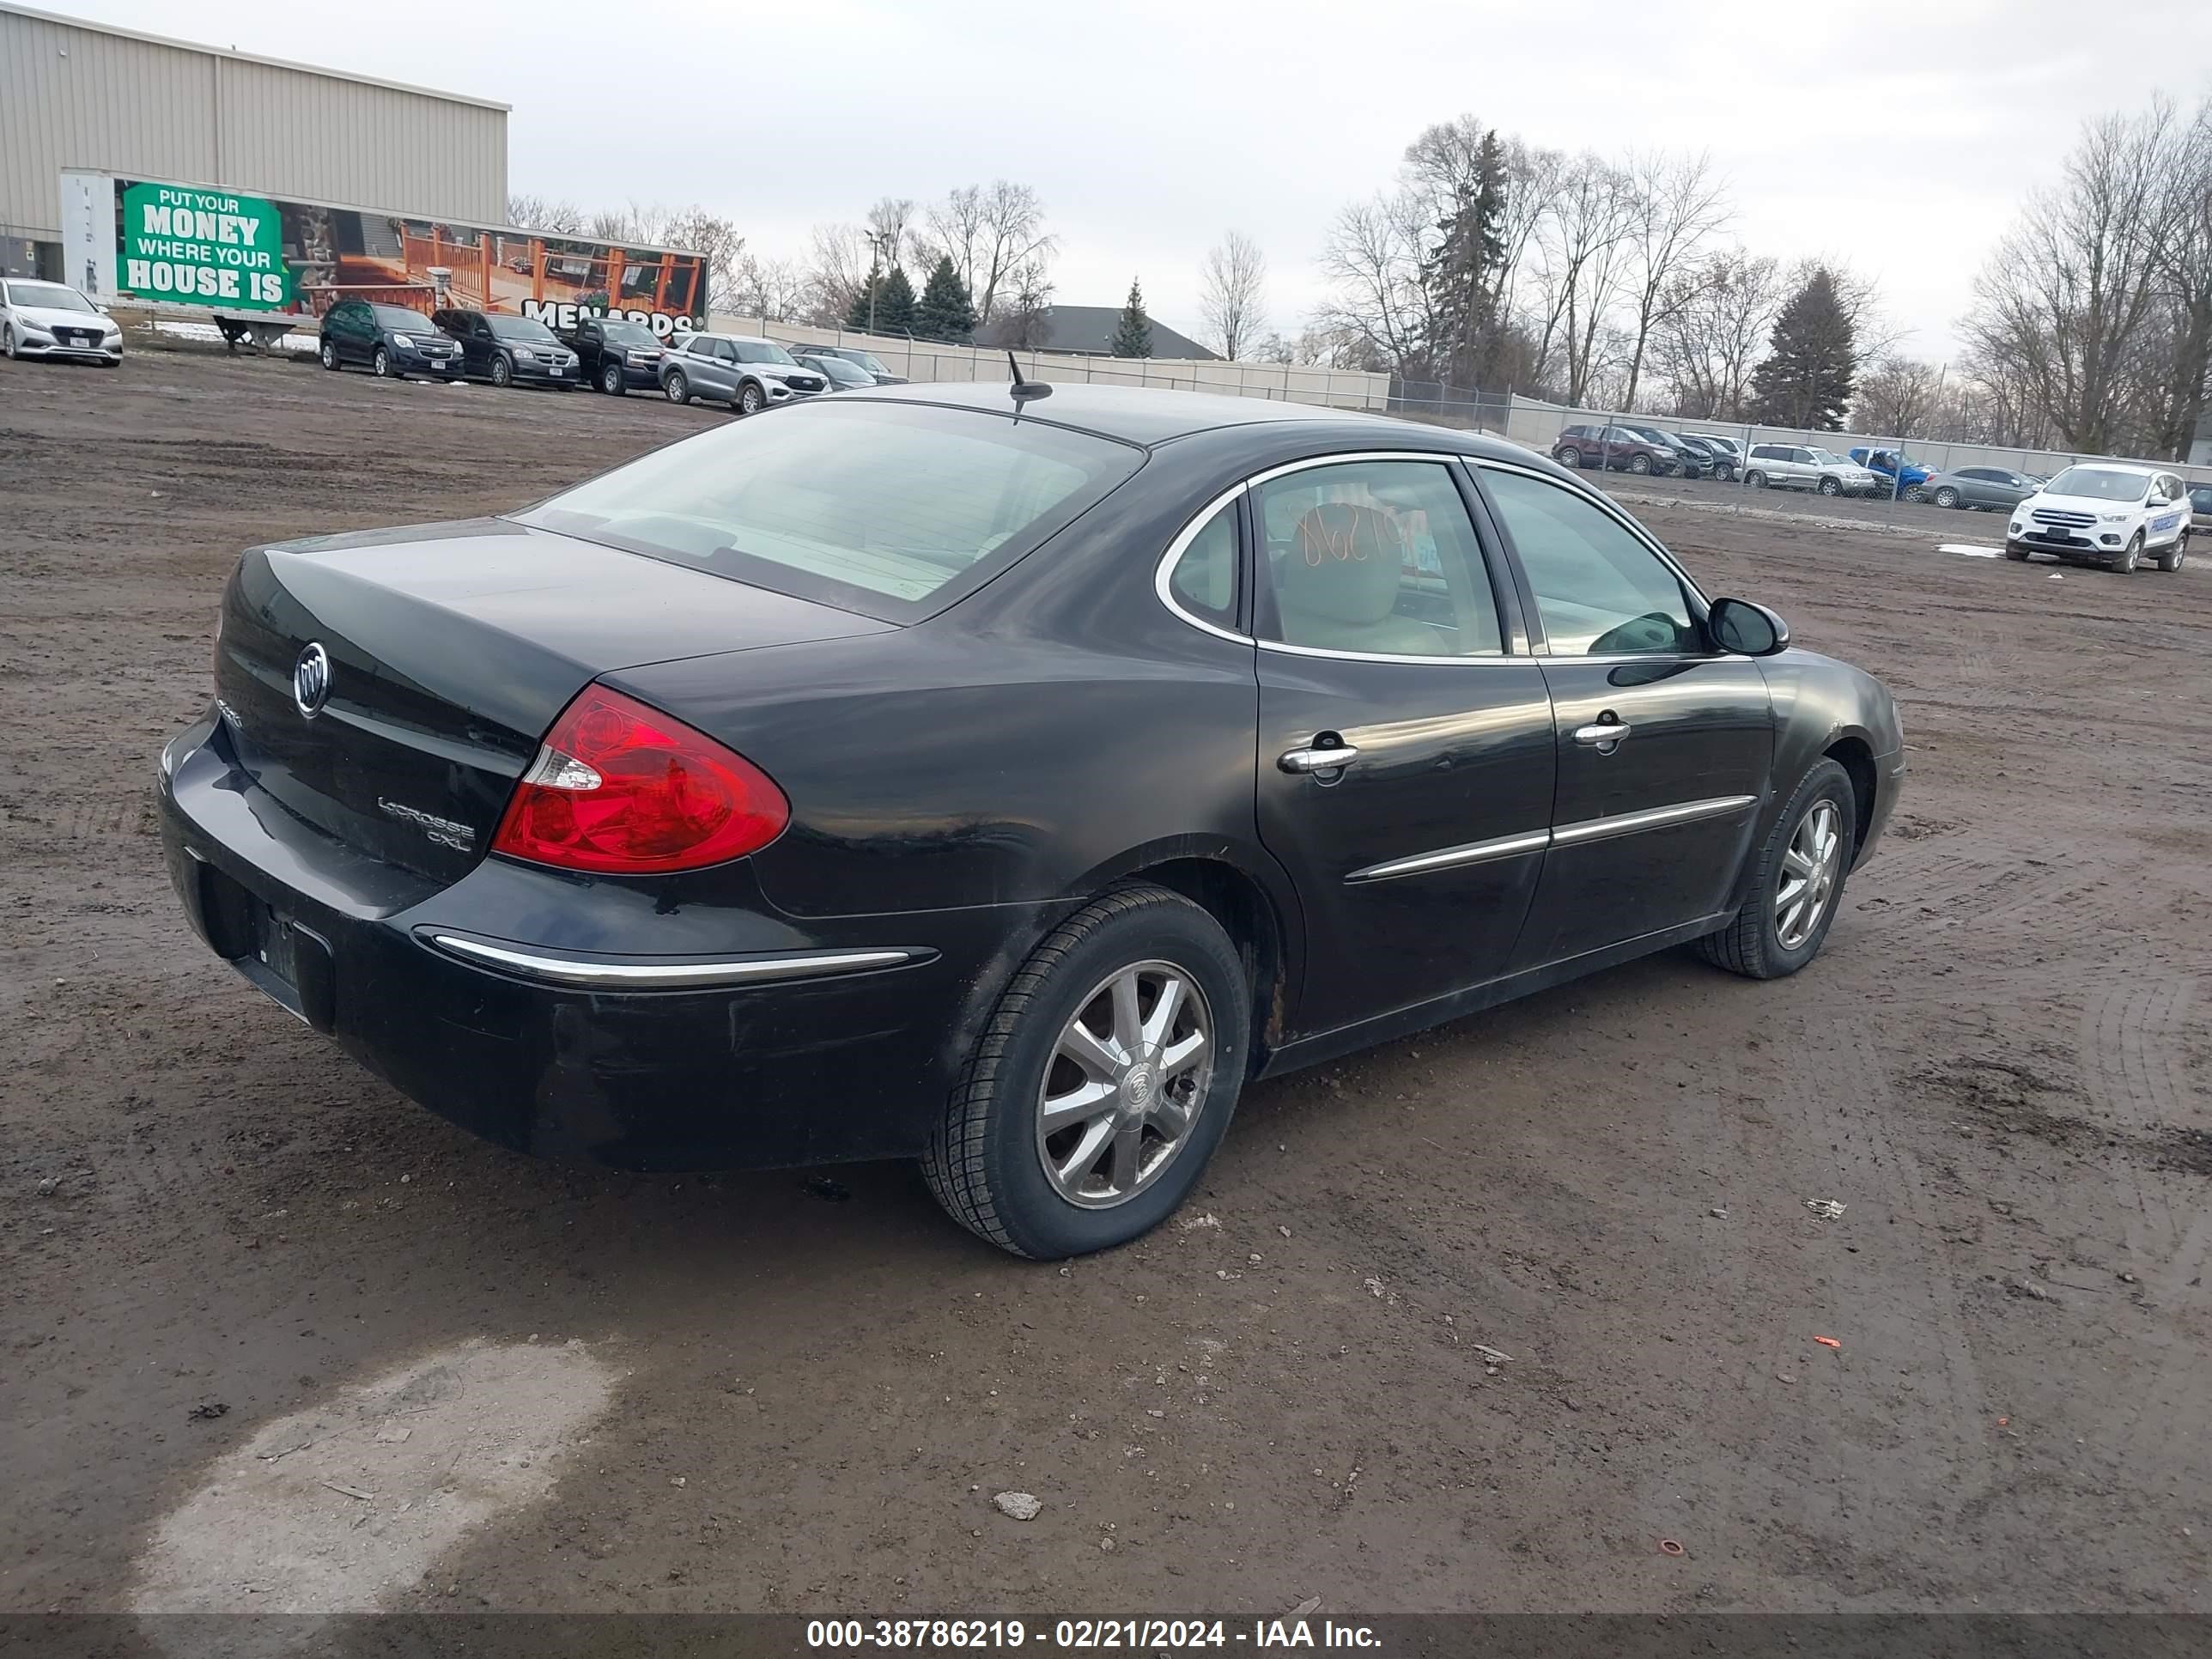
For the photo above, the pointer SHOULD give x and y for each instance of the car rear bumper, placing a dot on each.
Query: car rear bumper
(757, 1040)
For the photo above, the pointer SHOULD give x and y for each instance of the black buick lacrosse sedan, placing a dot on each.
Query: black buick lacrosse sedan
(1001, 780)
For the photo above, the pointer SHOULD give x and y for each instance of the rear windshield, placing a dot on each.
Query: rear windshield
(2101, 484)
(400, 317)
(892, 510)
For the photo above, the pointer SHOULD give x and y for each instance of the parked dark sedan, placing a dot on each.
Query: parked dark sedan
(917, 773)
(1991, 489)
(843, 376)
(511, 351)
(392, 340)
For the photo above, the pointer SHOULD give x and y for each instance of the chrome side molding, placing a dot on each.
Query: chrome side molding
(637, 975)
(1567, 835)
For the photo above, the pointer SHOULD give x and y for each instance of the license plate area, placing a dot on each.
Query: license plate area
(288, 963)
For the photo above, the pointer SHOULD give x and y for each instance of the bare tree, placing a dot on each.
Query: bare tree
(1706, 342)
(1372, 262)
(1674, 205)
(528, 212)
(2184, 267)
(2068, 292)
(1582, 265)
(1025, 315)
(1897, 396)
(1232, 294)
(836, 269)
(988, 232)
(773, 290)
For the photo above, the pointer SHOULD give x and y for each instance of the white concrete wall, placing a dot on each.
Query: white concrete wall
(925, 360)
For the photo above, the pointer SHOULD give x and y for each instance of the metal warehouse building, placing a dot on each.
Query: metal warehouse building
(80, 94)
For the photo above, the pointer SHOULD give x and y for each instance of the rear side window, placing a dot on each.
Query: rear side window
(892, 510)
(1375, 557)
(1204, 579)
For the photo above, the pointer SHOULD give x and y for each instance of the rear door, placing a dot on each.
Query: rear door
(1385, 639)
(1664, 745)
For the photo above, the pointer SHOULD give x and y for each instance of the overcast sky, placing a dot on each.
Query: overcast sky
(1897, 134)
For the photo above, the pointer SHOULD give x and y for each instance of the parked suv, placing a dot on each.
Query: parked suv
(2108, 512)
(47, 319)
(1615, 449)
(505, 349)
(614, 354)
(2200, 507)
(742, 370)
(392, 340)
(1802, 467)
(1689, 461)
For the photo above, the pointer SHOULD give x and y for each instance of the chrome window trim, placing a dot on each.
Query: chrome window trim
(1177, 548)
(1604, 504)
(1454, 858)
(665, 976)
(1189, 532)
(1584, 830)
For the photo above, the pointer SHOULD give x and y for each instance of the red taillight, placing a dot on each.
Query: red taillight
(621, 787)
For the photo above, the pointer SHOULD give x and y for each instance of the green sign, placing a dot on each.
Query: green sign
(205, 245)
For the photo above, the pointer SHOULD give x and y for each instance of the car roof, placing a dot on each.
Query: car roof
(1156, 415)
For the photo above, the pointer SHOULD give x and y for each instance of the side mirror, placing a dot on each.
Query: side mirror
(1746, 629)
(2158, 501)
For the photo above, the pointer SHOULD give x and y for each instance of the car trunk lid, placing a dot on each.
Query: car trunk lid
(449, 649)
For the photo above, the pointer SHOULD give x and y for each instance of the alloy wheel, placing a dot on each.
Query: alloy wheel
(1127, 1081)
(749, 400)
(611, 380)
(1947, 496)
(1809, 875)
(382, 364)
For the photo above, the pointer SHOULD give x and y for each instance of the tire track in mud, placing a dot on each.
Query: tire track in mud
(1841, 1440)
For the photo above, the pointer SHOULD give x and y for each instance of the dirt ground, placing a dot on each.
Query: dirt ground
(804, 1387)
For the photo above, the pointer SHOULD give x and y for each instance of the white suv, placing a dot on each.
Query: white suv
(1801, 466)
(2108, 512)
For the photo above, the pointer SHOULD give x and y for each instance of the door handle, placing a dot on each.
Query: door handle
(1317, 760)
(1603, 733)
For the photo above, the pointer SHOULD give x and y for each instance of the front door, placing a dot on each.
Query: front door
(1664, 744)
(1383, 640)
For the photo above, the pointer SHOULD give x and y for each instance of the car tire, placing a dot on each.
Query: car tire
(613, 381)
(503, 372)
(1832, 487)
(750, 398)
(1724, 475)
(1756, 480)
(1947, 496)
(2175, 556)
(1756, 943)
(8, 341)
(985, 1161)
(381, 365)
(1568, 456)
(2129, 556)
(329, 353)
(1640, 464)
(2016, 552)
(675, 388)
(1916, 494)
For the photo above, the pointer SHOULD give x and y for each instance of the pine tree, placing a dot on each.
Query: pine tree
(1132, 336)
(1805, 380)
(1461, 274)
(945, 310)
(885, 305)
(895, 305)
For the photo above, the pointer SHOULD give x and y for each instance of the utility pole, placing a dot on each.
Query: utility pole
(875, 240)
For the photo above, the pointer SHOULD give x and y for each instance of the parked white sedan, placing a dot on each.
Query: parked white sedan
(49, 319)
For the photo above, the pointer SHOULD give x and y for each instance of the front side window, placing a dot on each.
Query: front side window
(1204, 579)
(1377, 558)
(871, 507)
(1600, 590)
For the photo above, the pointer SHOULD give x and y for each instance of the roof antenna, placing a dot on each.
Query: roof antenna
(1023, 390)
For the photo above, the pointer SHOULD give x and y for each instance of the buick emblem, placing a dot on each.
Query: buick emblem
(311, 681)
